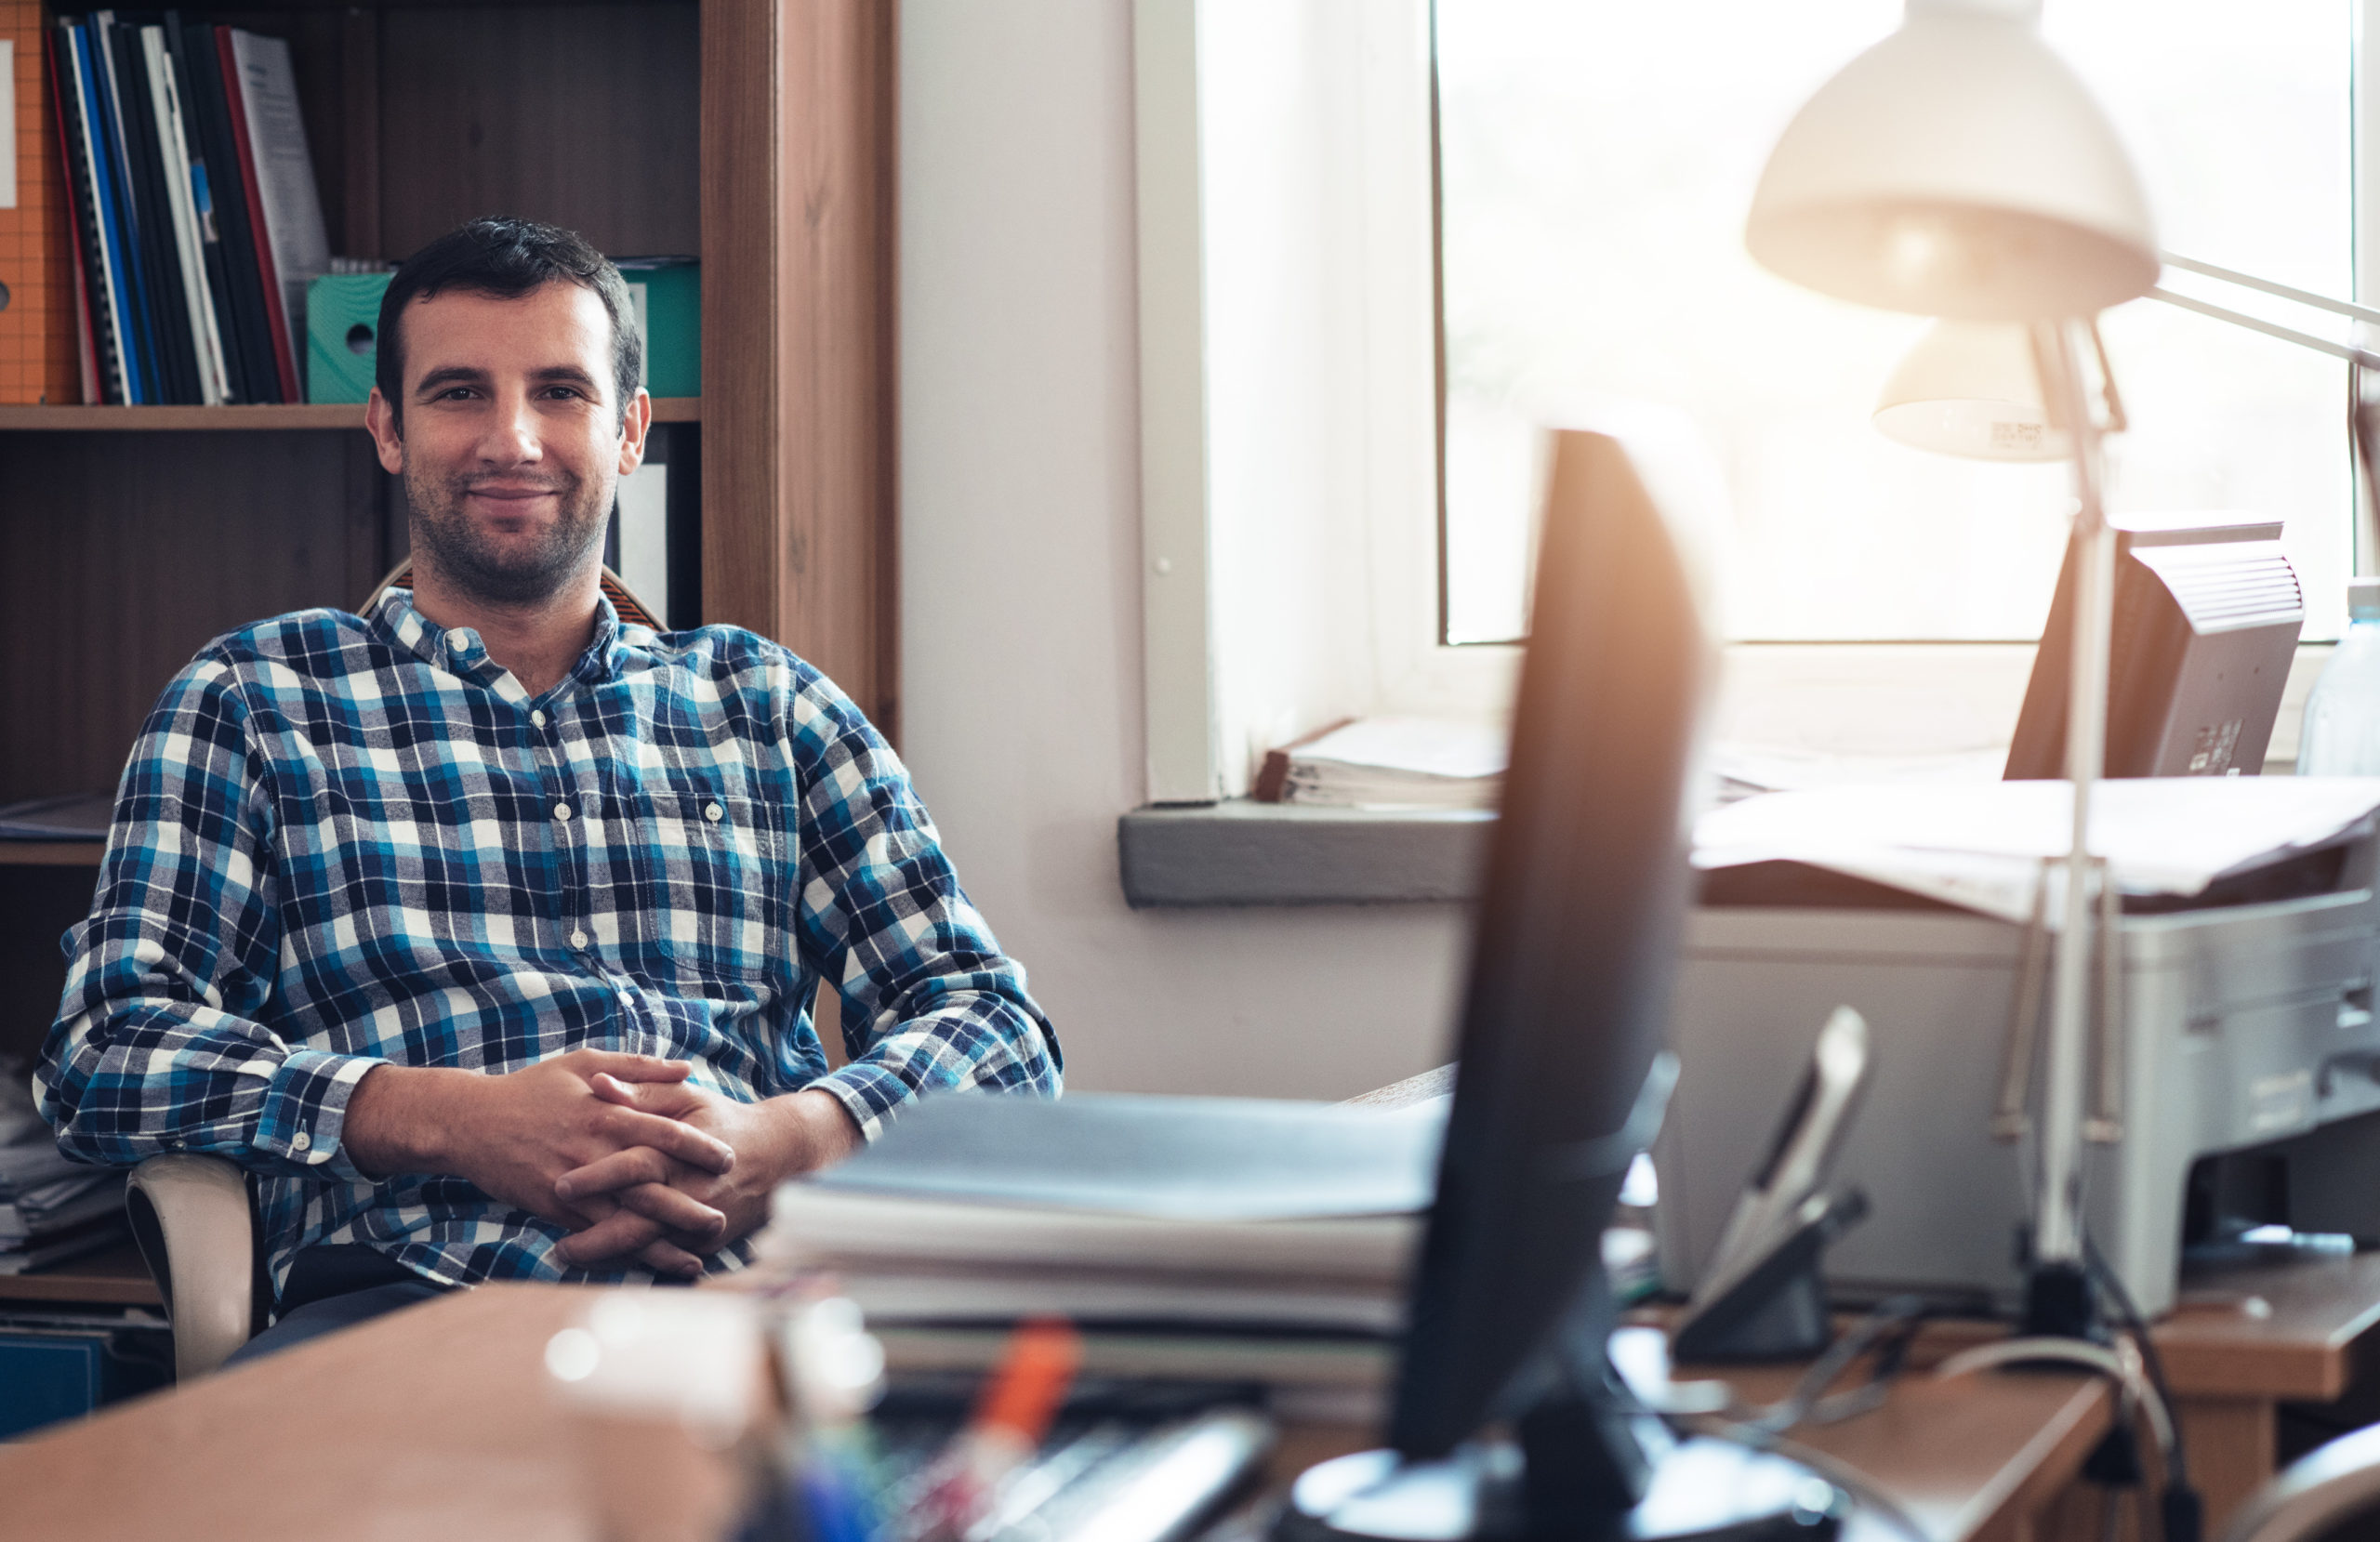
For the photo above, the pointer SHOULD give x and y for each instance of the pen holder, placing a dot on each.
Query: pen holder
(1777, 1309)
(661, 1390)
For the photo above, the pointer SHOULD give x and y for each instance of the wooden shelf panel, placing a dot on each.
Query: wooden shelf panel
(51, 853)
(340, 415)
(113, 1276)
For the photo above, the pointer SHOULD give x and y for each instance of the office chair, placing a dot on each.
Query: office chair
(2318, 1493)
(190, 1214)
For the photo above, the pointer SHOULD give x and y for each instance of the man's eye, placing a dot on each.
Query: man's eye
(455, 393)
(571, 393)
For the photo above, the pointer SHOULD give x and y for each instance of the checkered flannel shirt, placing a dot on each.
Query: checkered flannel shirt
(343, 842)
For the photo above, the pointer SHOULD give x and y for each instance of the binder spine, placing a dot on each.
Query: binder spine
(284, 354)
(119, 368)
(184, 249)
(77, 212)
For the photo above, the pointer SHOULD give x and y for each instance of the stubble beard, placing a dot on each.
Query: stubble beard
(467, 559)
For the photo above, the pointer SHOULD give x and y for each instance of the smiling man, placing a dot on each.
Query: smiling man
(484, 930)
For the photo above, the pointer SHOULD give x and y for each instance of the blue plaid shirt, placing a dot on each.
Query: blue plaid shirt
(343, 842)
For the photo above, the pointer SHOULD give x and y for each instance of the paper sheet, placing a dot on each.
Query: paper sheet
(1983, 846)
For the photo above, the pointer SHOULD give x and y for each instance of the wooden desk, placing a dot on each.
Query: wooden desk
(436, 1422)
(2233, 1363)
(2240, 1342)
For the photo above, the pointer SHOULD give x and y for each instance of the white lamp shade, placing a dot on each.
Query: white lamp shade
(1971, 389)
(1958, 168)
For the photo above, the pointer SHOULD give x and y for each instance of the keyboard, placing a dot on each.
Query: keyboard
(1124, 1462)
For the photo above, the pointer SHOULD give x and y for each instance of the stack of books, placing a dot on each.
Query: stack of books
(196, 222)
(52, 1209)
(1391, 763)
(1220, 1236)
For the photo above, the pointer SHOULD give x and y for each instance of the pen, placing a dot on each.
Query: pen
(1005, 1430)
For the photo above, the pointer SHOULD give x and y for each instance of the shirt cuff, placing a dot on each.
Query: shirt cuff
(305, 1111)
(872, 1094)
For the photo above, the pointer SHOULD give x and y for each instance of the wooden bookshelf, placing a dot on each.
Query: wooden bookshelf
(113, 1276)
(337, 415)
(51, 853)
(754, 134)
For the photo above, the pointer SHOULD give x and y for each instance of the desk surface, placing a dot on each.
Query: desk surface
(435, 1422)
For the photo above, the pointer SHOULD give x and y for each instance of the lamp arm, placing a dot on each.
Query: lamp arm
(2364, 416)
(2287, 335)
(2249, 281)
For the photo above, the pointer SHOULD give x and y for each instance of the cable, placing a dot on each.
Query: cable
(2129, 1315)
(1806, 1401)
(2181, 1509)
(2095, 1358)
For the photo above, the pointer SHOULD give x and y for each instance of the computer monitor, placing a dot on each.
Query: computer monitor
(1562, 1079)
(2207, 613)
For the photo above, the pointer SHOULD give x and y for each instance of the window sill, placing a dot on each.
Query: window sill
(1246, 853)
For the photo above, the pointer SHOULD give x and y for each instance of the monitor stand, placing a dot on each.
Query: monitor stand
(1700, 1489)
(1584, 1462)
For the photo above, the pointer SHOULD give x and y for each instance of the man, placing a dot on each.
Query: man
(484, 930)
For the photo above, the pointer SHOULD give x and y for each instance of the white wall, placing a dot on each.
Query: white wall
(1021, 673)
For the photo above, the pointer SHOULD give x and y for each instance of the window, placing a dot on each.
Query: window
(1586, 188)
(1596, 162)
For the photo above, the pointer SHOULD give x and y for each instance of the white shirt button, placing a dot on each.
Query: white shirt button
(713, 812)
(579, 938)
(459, 639)
(539, 718)
(561, 810)
(300, 1141)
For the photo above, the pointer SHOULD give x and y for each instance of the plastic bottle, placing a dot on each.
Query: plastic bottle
(2342, 733)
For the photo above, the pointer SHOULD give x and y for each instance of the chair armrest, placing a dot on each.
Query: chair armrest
(190, 1216)
(2320, 1490)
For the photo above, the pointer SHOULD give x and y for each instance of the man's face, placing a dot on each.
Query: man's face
(512, 443)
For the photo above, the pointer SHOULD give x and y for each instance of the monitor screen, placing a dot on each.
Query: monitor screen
(1565, 1010)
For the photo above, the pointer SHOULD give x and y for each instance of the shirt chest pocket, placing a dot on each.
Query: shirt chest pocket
(717, 872)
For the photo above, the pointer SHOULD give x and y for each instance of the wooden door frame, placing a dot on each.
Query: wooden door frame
(799, 505)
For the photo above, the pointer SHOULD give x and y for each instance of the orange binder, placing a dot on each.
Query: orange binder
(38, 361)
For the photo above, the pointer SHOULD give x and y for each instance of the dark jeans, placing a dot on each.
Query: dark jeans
(330, 1288)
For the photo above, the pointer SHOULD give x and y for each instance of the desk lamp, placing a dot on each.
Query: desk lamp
(1973, 389)
(1960, 169)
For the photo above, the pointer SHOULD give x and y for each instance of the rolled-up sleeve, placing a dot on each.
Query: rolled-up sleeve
(157, 1047)
(929, 1000)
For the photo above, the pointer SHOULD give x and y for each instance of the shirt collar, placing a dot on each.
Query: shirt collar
(458, 650)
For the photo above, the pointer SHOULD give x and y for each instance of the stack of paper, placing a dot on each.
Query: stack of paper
(1120, 1210)
(50, 1208)
(1990, 847)
(1392, 763)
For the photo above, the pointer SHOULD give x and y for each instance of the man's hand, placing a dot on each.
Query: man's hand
(514, 1134)
(773, 1141)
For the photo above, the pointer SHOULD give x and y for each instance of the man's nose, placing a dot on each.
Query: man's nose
(512, 435)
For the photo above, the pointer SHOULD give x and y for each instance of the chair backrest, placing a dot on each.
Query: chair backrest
(2323, 1489)
(623, 599)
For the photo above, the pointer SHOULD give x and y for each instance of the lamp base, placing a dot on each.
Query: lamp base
(2059, 1303)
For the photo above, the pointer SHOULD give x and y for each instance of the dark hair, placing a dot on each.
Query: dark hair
(505, 258)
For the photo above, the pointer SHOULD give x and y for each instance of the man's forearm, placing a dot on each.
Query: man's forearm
(815, 1131)
(400, 1118)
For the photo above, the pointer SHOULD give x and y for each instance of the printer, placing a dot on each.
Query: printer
(2241, 1081)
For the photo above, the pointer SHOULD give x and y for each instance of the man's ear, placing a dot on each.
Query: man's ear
(381, 419)
(634, 423)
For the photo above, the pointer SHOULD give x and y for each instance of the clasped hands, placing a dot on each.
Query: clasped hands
(622, 1149)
